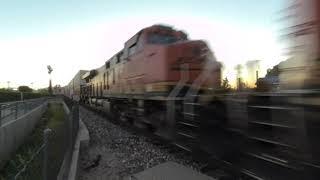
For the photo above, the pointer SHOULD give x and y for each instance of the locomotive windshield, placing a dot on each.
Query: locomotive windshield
(156, 38)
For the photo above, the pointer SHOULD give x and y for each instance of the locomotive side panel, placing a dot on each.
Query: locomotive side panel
(134, 72)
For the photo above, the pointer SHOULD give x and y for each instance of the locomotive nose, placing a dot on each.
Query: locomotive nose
(189, 51)
(198, 48)
(196, 59)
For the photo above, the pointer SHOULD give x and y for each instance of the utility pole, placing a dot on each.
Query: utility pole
(50, 84)
(238, 69)
(8, 82)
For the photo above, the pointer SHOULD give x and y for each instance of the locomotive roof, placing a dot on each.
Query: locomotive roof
(128, 43)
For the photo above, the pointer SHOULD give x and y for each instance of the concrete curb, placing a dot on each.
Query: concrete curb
(169, 171)
(82, 142)
(83, 135)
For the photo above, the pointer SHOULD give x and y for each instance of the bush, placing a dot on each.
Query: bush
(15, 96)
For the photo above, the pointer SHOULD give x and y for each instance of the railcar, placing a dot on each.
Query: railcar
(73, 89)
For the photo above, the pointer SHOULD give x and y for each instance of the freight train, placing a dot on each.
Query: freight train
(164, 82)
(157, 65)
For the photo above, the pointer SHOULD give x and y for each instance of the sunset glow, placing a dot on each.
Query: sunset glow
(87, 44)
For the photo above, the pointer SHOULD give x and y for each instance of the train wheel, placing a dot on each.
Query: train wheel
(160, 126)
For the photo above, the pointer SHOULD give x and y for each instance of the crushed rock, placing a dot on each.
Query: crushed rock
(121, 152)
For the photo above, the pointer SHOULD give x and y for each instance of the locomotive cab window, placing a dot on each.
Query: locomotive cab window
(107, 65)
(132, 49)
(119, 57)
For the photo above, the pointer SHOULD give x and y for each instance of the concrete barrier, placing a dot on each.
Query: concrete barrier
(69, 170)
(14, 133)
(69, 167)
(82, 142)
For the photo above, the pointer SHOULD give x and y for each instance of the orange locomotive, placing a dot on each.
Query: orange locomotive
(155, 64)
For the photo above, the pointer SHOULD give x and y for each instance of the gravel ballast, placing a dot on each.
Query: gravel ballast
(115, 152)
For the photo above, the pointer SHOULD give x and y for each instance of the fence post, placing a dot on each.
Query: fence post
(75, 111)
(46, 134)
(75, 119)
(70, 132)
(16, 110)
(24, 107)
(21, 96)
(0, 115)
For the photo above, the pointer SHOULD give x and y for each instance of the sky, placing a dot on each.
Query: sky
(71, 35)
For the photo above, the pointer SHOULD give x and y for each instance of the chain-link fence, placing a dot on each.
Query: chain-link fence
(36, 167)
(12, 110)
(56, 147)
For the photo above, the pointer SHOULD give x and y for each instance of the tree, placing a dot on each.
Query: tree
(43, 91)
(225, 84)
(4, 90)
(24, 89)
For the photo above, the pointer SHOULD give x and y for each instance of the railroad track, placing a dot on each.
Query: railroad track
(267, 136)
(173, 148)
(260, 136)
